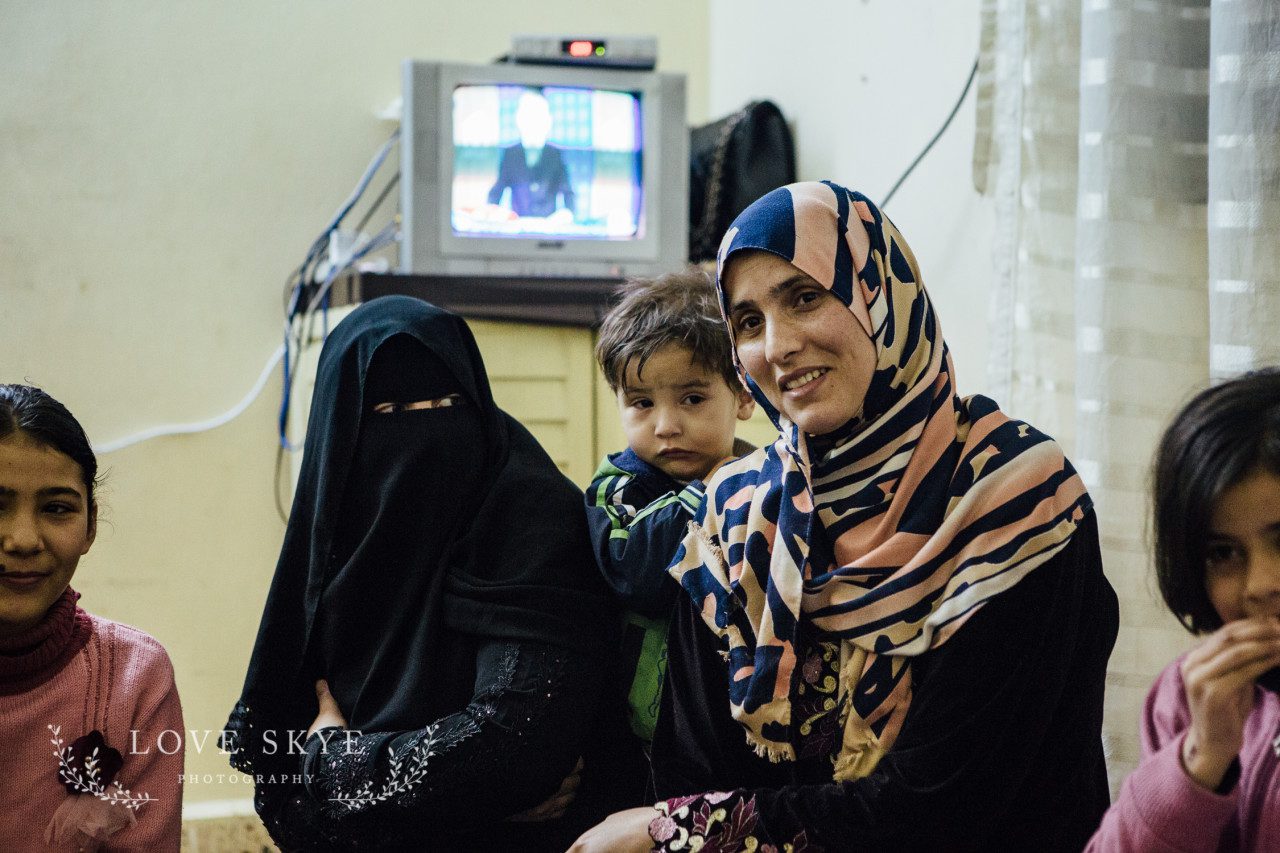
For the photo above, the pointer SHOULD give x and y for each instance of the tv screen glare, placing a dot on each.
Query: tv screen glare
(563, 162)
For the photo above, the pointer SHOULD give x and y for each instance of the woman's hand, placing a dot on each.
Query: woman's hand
(554, 806)
(329, 714)
(1218, 677)
(620, 832)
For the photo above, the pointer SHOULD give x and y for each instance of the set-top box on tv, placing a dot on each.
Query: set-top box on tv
(640, 52)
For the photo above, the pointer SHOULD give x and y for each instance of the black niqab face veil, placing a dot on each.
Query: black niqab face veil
(416, 475)
(435, 513)
(398, 451)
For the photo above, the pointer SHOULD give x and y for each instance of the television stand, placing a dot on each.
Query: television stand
(564, 302)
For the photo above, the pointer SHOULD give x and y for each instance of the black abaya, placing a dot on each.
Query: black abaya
(437, 571)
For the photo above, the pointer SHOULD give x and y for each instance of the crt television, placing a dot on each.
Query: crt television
(535, 171)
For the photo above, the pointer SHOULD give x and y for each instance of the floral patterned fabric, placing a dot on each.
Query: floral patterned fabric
(819, 715)
(730, 822)
(717, 822)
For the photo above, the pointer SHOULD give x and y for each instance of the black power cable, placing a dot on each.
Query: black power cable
(973, 72)
(377, 202)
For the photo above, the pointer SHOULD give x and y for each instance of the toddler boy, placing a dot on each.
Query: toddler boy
(665, 352)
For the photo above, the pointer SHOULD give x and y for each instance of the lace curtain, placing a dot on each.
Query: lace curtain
(1132, 148)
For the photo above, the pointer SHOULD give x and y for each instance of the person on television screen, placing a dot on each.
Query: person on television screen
(533, 169)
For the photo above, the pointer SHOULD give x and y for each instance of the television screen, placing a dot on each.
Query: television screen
(559, 162)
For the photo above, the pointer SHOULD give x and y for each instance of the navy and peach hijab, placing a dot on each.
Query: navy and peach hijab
(924, 509)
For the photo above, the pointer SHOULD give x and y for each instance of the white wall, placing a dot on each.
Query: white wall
(866, 84)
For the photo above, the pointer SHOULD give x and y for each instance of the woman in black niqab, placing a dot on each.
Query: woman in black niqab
(436, 571)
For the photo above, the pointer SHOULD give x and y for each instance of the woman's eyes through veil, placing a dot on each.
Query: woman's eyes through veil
(393, 407)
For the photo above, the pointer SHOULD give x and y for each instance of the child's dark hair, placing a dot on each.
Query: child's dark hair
(677, 308)
(24, 408)
(1221, 436)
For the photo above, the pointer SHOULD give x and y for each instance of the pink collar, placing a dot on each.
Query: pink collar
(33, 657)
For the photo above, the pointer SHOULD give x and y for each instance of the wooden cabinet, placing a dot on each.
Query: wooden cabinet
(544, 377)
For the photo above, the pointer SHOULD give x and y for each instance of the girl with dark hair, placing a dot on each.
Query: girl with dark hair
(84, 701)
(437, 580)
(1209, 777)
(895, 626)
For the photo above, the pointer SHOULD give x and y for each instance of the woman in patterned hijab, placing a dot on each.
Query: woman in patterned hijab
(896, 625)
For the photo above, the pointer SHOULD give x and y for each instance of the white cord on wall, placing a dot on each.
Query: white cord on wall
(200, 426)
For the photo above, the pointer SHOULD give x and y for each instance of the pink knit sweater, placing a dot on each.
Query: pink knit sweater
(1161, 809)
(119, 683)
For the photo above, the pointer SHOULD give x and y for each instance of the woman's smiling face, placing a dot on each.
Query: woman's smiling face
(799, 343)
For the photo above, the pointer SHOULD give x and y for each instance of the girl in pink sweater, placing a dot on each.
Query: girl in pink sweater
(90, 723)
(1209, 778)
